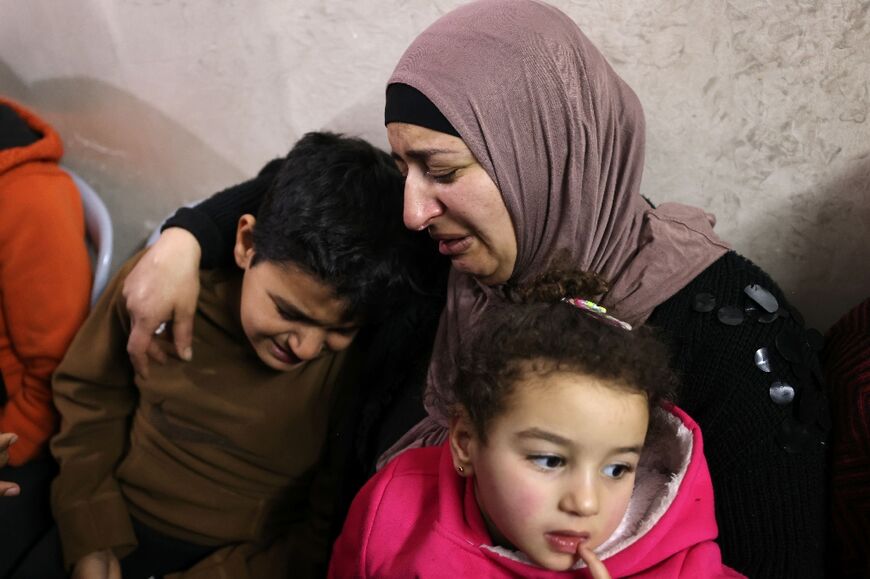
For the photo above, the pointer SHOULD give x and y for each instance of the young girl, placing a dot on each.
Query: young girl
(562, 460)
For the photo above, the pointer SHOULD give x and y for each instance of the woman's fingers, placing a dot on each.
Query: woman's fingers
(139, 342)
(182, 320)
(163, 285)
(159, 350)
(596, 567)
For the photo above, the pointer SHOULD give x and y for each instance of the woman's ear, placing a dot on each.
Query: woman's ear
(463, 442)
(244, 248)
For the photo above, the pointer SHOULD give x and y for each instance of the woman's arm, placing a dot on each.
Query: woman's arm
(767, 459)
(164, 285)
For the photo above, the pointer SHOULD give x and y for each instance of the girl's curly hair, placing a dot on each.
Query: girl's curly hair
(533, 330)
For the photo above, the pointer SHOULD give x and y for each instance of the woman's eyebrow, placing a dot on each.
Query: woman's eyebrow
(424, 154)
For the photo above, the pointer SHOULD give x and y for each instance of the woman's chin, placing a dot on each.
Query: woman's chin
(480, 269)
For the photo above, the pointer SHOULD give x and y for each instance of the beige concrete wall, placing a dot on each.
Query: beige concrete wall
(757, 110)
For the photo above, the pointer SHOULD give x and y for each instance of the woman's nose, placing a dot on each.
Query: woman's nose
(421, 203)
(307, 343)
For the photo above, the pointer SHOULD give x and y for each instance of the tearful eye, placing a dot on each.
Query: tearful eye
(616, 471)
(547, 462)
(447, 177)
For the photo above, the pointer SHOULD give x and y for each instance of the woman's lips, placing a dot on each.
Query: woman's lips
(454, 246)
(565, 541)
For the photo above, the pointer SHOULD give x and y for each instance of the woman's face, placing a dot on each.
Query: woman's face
(448, 193)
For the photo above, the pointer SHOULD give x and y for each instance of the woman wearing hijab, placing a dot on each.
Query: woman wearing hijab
(521, 145)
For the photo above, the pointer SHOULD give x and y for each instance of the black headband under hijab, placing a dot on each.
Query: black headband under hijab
(405, 104)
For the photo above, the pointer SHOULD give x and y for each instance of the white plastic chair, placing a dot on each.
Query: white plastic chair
(98, 224)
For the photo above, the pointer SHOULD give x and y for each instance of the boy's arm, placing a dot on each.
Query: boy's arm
(95, 395)
(45, 280)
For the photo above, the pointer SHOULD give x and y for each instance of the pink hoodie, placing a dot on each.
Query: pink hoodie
(418, 518)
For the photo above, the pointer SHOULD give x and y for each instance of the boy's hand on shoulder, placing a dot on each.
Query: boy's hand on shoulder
(596, 567)
(97, 565)
(163, 285)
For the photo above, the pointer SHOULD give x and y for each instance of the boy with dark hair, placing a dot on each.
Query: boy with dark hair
(184, 470)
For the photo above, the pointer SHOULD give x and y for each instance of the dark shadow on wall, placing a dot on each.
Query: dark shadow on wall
(363, 118)
(825, 271)
(142, 162)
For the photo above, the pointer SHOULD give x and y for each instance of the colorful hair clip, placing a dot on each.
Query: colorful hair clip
(598, 311)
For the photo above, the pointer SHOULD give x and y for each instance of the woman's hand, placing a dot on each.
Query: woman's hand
(596, 567)
(163, 286)
(97, 565)
(7, 489)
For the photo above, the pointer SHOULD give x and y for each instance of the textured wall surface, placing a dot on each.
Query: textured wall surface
(757, 110)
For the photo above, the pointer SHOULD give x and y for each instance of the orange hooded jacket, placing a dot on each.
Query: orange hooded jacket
(45, 280)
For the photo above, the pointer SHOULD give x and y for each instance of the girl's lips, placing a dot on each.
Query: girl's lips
(565, 541)
(454, 246)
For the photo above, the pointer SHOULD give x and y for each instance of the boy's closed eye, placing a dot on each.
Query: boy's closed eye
(291, 314)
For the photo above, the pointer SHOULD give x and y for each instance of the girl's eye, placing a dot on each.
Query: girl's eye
(448, 177)
(547, 461)
(616, 471)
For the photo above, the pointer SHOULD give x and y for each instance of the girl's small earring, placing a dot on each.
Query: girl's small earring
(459, 469)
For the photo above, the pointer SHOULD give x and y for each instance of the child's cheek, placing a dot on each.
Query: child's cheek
(528, 498)
(616, 512)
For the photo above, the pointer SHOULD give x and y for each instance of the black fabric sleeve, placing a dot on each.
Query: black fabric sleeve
(213, 222)
(766, 454)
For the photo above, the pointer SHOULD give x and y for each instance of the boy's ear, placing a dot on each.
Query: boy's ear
(244, 248)
(463, 442)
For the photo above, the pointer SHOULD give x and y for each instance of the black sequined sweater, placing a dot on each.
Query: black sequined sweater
(762, 412)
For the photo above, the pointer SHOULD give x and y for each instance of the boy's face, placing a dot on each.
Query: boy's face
(558, 466)
(288, 315)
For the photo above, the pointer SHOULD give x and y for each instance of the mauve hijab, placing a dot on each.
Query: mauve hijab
(562, 137)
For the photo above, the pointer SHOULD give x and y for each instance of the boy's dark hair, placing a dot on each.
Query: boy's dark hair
(533, 331)
(335, 210)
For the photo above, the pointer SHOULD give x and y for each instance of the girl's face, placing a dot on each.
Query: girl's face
(449, 193)
(558, 466)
